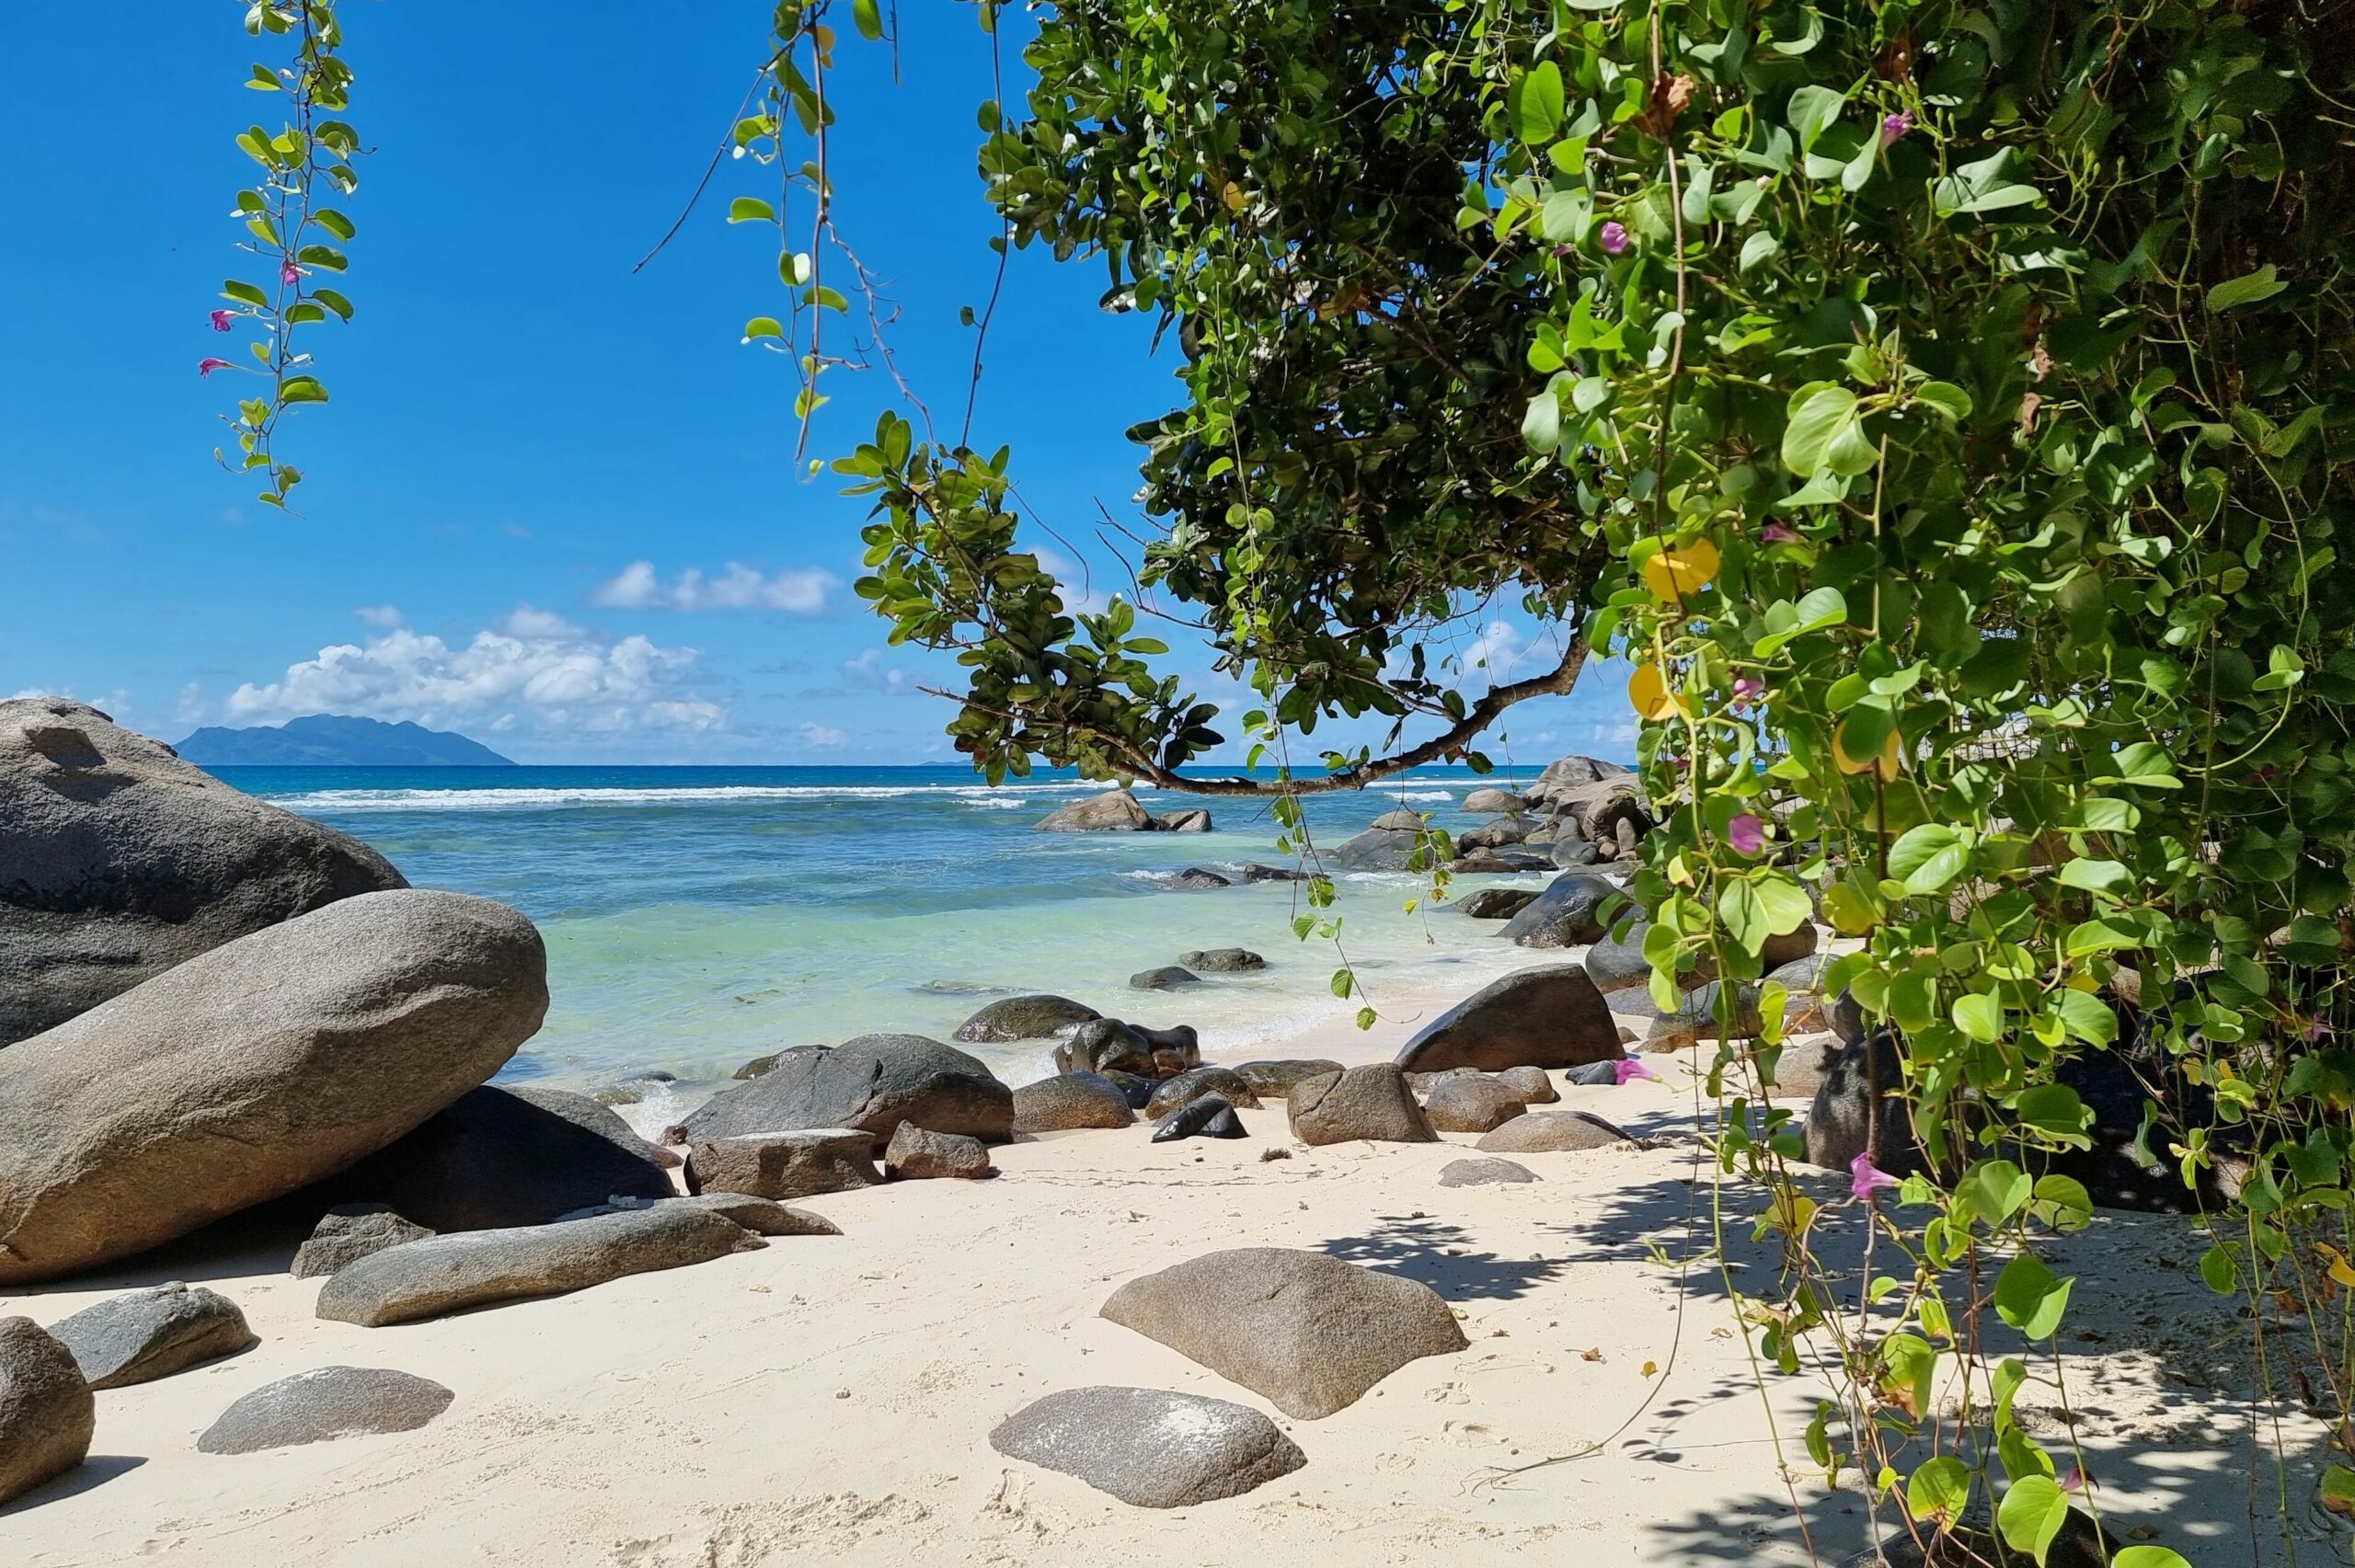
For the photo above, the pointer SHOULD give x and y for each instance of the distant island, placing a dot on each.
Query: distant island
(332, 740)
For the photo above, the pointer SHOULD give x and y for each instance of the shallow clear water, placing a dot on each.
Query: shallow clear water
(698, 916)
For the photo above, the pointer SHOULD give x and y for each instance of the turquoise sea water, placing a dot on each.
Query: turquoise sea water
(698, 916)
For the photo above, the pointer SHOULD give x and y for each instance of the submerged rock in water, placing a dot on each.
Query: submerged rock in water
(1196, 877)
(118, 861)
(324, 1406)
(1025, 1018)
(1114, 812)
(1221, 960)
(146, 1334)
(1212, 1115)
(1169, 976)
(1255, 872)
(1148, 1448)
(1193, 819)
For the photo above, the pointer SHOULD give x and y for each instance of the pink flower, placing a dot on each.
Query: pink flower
(222, 321)
(1896, 125)
(1776, 533)
(2317, 1029)
(2073, 1480)
(1614, 240)
(1746, 833)
(1866, 1178)
(206, 367)
(1626, 1068)
(1747, 687)
(288, 273)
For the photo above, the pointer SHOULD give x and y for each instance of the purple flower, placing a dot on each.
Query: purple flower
(2317, 1029)
(1778, 533)
(1866, 1178)
(1563, 252)
(221, 320)
(1746, 833)
(1626, 1068)
(206, 367)
(1614, 240)
(1896, 125)
(288, 273)
(2073, 1480)
(1747, 687)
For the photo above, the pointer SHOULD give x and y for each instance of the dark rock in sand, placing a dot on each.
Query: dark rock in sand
(1169, 976)
(506, 1156)
(1697, 1019)
(1023, 1018)
(147, 1334)
(1498, 903)
(1148, 1448)
(46, 1412)
(1195, 878)
(1116, 812)
(1471, 1102)
(1221, 960)
(1552, 1132)
(1195, 1083)
(1484, 1174)
(1306, 1332)
(1212, 1115)
(324, 1406)
(1193, 819)
(1595, 1075)
(1567, 914)
(1371, 1103)
(1255, 872)
(1274, 1080)
(874, 1083)
(253, 1070)
(1547, 1017)
(118, 861)
(1529, 1084)
(1806, 1061)
(1071, 1101)
(480, 1268)
(780, 1165)
(1109, 1046)
(918, 1155)
(349, 1232)
(1135, 1088)
(1384, 849)
(760, 1215)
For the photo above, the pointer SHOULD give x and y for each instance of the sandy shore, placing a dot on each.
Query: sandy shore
(827, 1400)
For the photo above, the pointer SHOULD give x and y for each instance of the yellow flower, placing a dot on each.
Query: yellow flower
(1887, 761)
(1676, 573)
(1648, 692)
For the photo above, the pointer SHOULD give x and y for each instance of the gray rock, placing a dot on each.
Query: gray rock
(1545, 1017)
(253, 1070)
(46, 1412)
(1071, 1101)
(1023, 1018)
(1274, 1080)
(1212, 1115)
(1529, 1084)
(1595, 1075)
(1504, 862)
(1498, 903)
(1371, 1103)
(1134, 1088)
(1697, 1019)
(1308, 1333)
(1195, 1083)
(1117, 812)
(325, 1406)
(1471, 1102)
(1149, 1448)
(1197, 878)
(504, 1156)
(480, 1268)
(152, 1333)
(1255, 872)
(1801, 978)
(1490, 801)
(349, 1233)
(801, 1164)
(1567, 914)
(1502, 833)
(760, 1215)
(1552, 1132)
(1384, 849)
(118, 861)
(1400, 820)
(1571, 853)
(1484, 1174)
(874, 1083)
(1221, 960)
(1805, 1063)
(1169, 976)
(1109, 1046)
(918, 1155)
(1193, 819)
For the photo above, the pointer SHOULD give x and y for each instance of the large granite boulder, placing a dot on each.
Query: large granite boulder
(1471, 1102)
(349, 1232)
(1567, 914)
(801, 1164)
(118, 861)
(874, 1083)
(1498, 903)
(46, 1412)
(325, 1406)
(1547, 1017)
(449, 1273)
(1306, 1332)
(505, 1156)
(1192, 819)
(1529, 1084)
(1501, 833)
(1023, 1018)
(1371, 1103)
(1274, 1080)
(760, 1215)
(1149, 1448)
(1552, 1132)
(1490, 801)
(1114, 812)
(1385, 849)
(253, 1070)
(1109, 1045)
(916, 1155)
(1071, 1101)
(146, 1334)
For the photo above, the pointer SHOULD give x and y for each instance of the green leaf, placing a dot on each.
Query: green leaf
(2148, 1557)
(1541, 426)
(334, 302)
(300, 389)
(2032, 1513)
(1927, 859)
(2030, 1297)
(764, 326)
(1980, 1015)
(244, 293)
(1946, 398)
(751, 209)
(1939, 1489)
(1821, 413)
(1537, 106)
(2261, 285)
(2098, 877)
(1812, 111)
(1760, 247)
(868, 16)
(335, 222)
(2086, 1016)
(1992, 1191)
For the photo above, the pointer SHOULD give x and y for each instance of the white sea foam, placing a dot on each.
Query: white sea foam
(1427, 794)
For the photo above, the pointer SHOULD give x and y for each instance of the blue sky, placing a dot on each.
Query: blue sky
(553, 504)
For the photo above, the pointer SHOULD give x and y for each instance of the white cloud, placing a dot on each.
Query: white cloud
(1495, 651)
(114, 703)
(563, 677)
(820, 736)
(386, 616)
(795, 590)
(870, 673)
